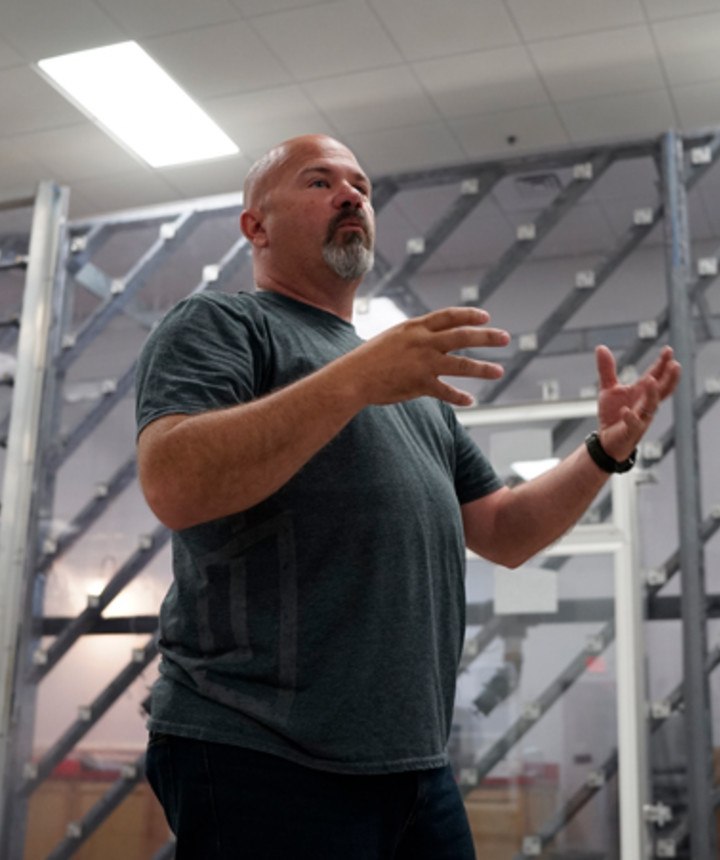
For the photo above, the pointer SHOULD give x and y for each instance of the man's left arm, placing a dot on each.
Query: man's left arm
(510, 526)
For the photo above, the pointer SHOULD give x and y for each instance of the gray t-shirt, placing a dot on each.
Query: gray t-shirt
(324, 624)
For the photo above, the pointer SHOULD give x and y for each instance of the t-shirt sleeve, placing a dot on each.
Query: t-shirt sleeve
(474, 475)
(205, 354)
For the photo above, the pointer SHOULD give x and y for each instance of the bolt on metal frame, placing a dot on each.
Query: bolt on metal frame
(175, 223)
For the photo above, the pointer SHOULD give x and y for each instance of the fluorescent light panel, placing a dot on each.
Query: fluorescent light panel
(122, 89)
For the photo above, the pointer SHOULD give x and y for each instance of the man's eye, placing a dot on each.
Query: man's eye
(319, 183)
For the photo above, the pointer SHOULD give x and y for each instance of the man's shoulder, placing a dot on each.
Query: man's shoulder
(218, 302)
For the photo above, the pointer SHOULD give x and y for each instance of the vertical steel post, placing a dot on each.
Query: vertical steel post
(631, 680)
(698, 740)
(23, 479)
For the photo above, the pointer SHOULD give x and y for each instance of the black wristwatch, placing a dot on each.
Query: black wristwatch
(602, 459)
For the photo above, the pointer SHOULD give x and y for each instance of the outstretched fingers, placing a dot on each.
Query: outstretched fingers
(449, 318)
(606, 367)
(666, 370)
(469, 337)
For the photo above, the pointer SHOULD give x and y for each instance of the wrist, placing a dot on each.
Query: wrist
(604, 460)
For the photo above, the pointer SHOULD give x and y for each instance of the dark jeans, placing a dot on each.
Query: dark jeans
(230, 803)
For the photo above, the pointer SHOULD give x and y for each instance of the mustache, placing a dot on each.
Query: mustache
(357, 216)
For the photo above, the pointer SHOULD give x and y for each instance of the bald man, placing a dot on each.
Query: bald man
(321, 494)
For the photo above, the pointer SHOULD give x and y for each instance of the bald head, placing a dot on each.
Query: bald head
(261, 176)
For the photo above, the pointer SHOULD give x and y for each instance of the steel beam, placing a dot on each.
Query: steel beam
(171, 234)
(554, 159)
(105, 494)
(698, 719)
(36, 772)
(588, 611)
(149, 547)
(19, 526)
(145, 216)
(134, 625)
(80, 831)
(214, 277)
(536, 710)
(604, 773)
(449, 221)
(517, 253)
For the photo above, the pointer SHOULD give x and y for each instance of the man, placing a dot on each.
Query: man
(321, 491)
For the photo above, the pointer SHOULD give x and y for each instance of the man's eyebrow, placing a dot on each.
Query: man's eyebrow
(327, 171)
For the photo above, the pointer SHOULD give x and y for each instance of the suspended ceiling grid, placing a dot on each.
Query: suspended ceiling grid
(407, 83)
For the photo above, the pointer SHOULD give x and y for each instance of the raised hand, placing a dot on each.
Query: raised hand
(408, 360)
(626, 411)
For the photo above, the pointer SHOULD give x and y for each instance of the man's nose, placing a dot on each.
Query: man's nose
(349, 197)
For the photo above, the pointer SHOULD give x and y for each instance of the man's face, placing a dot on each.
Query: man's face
(316, 204)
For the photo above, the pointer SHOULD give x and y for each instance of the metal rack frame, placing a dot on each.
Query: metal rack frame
(61, 255)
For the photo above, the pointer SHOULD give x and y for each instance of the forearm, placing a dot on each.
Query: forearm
(221, 462)
(533, 515)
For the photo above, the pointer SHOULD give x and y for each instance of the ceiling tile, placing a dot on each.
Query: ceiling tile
(76, 152)
(621, 116)
(48, 28)
(19, 172)
(257, 121)
(595, 64)
(8, 56)
(250, 8)
(426, 28)
(533, 128)
(219, 60)
(328, 39)
(553, 18)
(220, 176)
(29, 103)
(395, 150)
(482, 82)
(368, 101)
(658, 10)
(698, 105)
(689, 48)
(140, 18)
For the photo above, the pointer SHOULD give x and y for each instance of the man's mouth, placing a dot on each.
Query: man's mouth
(353, 228)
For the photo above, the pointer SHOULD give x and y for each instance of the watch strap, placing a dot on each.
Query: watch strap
(603, 460)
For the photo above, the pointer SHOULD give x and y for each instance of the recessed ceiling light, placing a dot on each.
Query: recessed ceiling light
(122, 89)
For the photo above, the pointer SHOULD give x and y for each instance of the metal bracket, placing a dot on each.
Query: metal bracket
(655, 577)
(660, 710)
(658, 814)
(666, 848)
(532, 846)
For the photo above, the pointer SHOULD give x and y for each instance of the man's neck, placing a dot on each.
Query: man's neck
(335, 298)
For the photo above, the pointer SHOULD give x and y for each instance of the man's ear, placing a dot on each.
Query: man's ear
(251, 224)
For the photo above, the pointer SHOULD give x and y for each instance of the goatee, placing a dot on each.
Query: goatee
(352, 256)
(350, 260)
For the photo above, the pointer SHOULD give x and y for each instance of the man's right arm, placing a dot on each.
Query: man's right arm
(195, 468)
